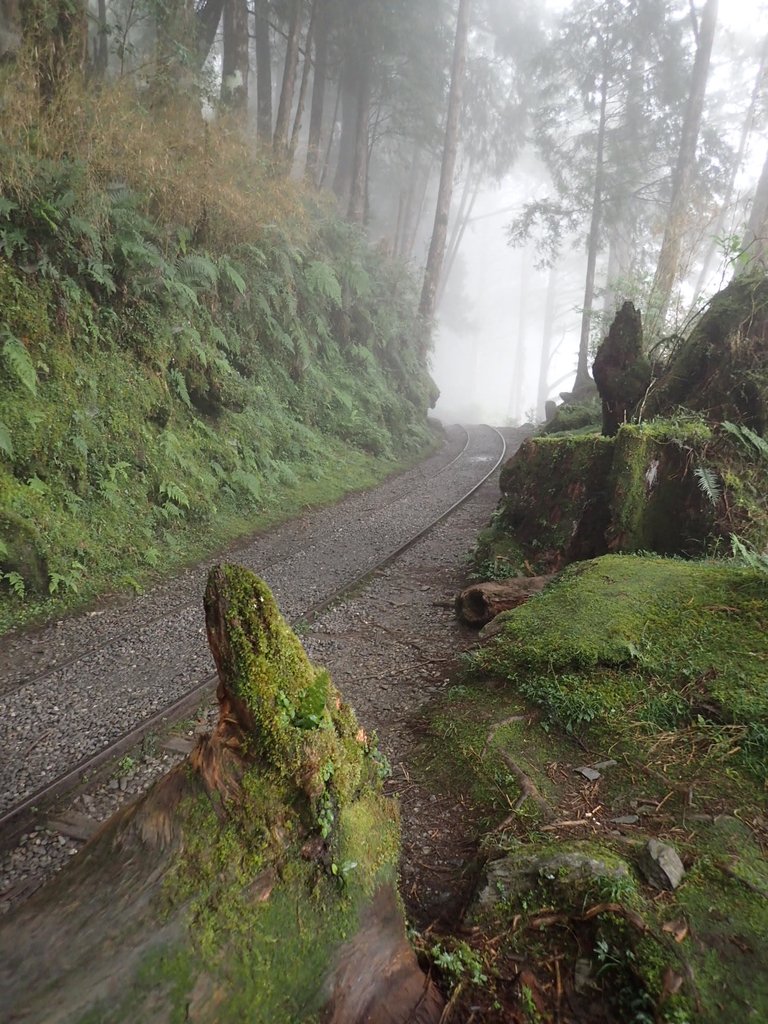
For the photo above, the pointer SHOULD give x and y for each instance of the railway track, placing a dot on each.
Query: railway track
(115, 661)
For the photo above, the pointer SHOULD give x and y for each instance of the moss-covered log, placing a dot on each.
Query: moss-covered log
(255, 882)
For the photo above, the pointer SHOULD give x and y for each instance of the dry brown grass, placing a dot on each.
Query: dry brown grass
(203, 174)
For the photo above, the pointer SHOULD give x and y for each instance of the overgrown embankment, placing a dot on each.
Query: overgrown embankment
(188, 347)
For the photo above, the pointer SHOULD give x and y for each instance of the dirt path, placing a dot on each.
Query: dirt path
(392, 650)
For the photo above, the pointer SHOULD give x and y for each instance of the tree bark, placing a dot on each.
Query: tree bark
(450, 148)
(466, 206)
(304, 83)
(684, 174)
(263, 73)
(285, 104)
(593, 244)
(546, 344)
(755, 244)
(56, 34)
(314, 141)
(208, 19)
(235, 63)
(359, 180)
(101, 49)
(746, 131)
(351, 77)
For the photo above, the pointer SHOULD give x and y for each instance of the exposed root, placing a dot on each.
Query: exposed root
(528, 791)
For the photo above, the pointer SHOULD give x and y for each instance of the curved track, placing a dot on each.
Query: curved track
(148, 665)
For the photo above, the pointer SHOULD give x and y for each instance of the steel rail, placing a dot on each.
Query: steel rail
(18, 817)
(115, 638)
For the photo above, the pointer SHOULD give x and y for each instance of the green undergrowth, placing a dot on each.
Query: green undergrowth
(160, 397)
(656, 670)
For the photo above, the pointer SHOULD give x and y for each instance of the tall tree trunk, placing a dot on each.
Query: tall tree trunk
(593, 244)
(351, 77)
(331, 136)
(756, 237)
(263, 73)
(685, 173)
(457, 236)
(235, 63)
(407, 202)
(359, 180)
(208, 19)
(318, 91)
(518, 366)
(304, 82)
(101, 49)
(746, 131)
(410, 241)
(450, 148)
(56, 34)
(542, 391)
(285, 104)
(176, 40)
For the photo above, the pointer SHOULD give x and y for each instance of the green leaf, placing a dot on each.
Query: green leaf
(18, 362)
(227, 272)
(6, 444)
(180, 387)
(174, 493)
(709, 484)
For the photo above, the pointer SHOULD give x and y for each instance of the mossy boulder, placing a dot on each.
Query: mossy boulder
(21, 552)
(257, 881)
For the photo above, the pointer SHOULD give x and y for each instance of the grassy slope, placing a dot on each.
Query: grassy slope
(174, 371)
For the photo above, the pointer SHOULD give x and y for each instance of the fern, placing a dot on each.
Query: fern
(227, 272)
(709, 485)
(747, 556)
(198, 271)
(18, 362)
(248, 482)
(751, 442)
(6, 444)
(172, 492)
(180, 387)
(322, 282)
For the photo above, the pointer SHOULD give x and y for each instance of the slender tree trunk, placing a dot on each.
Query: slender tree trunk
(685, 173)
(263, 73)
(408, 201)
(351, 76)
(331, 136)
(304, 83)
(318, 91)
(416, 221)
(208, 20)
(457, 236)
(101, 53)
(593, 244)
(518, 367)
(235, 63)
(756, 236)
(285, 104)
(359, 182)
(542, 393)
(746, 131)
(56, 34)
(450, 148)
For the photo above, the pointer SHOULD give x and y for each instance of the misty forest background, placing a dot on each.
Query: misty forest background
(232, 230)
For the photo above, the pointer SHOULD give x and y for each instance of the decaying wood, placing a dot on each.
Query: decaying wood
(481, 602)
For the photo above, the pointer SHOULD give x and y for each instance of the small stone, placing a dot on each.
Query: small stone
(588, 773)
(661, 865)
(626, 819)
(113, 783)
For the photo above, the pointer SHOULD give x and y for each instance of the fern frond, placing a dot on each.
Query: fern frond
(758, 443)
(6, 444)
(709, 484)
(18, 362)
(174, 493)
(180, 387)
(751, 442)
(322, 282)
(199, 270)
(228, 272)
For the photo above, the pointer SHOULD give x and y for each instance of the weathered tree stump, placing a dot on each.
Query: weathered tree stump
(482, 602)
(621, 371)
(256, 881)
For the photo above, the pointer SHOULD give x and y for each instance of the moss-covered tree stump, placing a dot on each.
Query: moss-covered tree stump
(255, 882)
